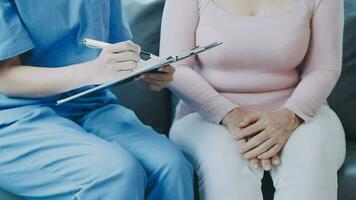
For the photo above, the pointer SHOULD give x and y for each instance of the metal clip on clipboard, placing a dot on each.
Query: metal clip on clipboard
(194, 51)
(165, 62)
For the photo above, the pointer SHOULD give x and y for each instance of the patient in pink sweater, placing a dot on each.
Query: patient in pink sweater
(260, 98)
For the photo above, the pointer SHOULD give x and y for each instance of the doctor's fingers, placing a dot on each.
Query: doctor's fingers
(155, 85)
(122, 47)
(157, 77)
(122, 57)
(169, 69)
(125, 66)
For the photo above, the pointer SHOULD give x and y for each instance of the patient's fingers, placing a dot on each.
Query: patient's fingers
(276, 160)
(249, 119)
(255, 163)
(267, 165)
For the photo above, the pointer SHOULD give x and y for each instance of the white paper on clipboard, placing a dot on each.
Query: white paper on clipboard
(141, 70)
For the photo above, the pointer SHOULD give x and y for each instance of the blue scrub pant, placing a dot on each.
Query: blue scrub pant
(106, 154)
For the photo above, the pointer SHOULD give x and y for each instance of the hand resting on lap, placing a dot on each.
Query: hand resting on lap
(267, 133)
(237, 119)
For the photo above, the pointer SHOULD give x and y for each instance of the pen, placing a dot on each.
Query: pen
(101, 45)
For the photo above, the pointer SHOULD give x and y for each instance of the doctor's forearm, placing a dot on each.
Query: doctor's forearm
(17, 80)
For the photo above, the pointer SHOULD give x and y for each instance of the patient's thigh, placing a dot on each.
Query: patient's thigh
(319, 139)
(313, 153)
(223, 173)
(202, 139)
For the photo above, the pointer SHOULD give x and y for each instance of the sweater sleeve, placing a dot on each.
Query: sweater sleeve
(180, 21)
(322, 65)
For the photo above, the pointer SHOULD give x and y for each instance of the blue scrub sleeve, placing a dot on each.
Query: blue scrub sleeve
(119, 24)
(14, 38)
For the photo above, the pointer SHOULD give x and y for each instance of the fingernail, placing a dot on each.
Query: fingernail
(268, 167)
(255, 166)
(276, 162)
(247, 155)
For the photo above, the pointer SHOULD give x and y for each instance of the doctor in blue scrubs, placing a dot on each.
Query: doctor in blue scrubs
(91, 148)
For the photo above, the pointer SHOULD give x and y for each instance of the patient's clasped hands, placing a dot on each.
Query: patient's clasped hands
(261, 135)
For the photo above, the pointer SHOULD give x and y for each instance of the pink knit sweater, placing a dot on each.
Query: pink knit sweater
(290, 59)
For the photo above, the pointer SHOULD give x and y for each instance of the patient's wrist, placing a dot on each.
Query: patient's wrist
(233, 116)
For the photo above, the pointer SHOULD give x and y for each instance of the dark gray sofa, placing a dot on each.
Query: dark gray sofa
(156, 109)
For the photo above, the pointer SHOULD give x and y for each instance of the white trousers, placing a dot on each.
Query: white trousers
(309, 161)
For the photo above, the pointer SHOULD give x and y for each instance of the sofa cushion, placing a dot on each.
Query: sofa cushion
(343, 98)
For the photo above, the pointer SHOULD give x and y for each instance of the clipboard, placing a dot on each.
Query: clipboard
(130, 76)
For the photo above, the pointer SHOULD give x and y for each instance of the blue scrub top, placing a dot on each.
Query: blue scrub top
(50, 33)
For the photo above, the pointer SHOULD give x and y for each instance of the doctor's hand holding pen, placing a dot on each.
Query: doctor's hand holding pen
(19, 80)
(123, 57)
